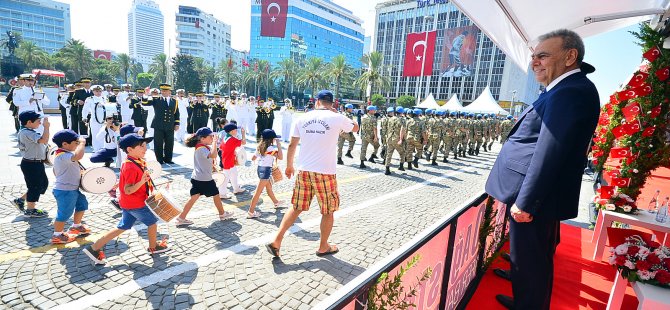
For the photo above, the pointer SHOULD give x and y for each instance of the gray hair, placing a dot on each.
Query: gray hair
(570, 40)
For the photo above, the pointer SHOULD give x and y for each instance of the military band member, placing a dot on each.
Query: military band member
(64, 105)
(369, 135)
(183, 103)
(286, 112)
(29, 97)
(165, 123)
(264, 118)
(112, 100)
(139, 116)
(12, 107)
(80, 96)
(123, 98)
(346, 136)
(96, 110)
(199, 112)
(218, 111)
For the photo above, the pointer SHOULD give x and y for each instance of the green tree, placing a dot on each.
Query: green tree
(32, 55)
(103, 71)
(159, 68)
(286, 70)
(264, 77)
(210, 77)
(249, 80)
(135, 69)
(406, 101)
(124, 63)
(229, 73)
(373, 77)
(144, 80)
(313, 75)
(377, 100)
(338, 69)
(77, 57)
(185, 74)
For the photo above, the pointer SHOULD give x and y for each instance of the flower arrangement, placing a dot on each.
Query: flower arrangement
(618, 202)
(642, 260)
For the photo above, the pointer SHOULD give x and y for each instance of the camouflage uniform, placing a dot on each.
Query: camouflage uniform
(348, 136)
(396, 124)
(495, 130)
(415, 129)
(505, 127)
(478, 129)
(435, 133)
(449, 136)
(488, 134)
(368, 131)
(383, 129)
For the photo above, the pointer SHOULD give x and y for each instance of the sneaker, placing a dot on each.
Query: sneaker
(183, 222)
(80, 231)
(35, 213)
(227, 196)
(98, 257)
(254, 215)
(241, 191)
(115, 203)
(63, 238)
(226, 215)
(160, 248)
(19, 204)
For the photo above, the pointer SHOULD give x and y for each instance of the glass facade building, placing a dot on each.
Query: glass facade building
(145, 32)
(465, 61)
(202, 35)
(43, 22)
(314, 28)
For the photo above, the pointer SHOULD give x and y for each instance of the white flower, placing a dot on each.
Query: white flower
(629, 264)
(627, 208)
(645, 274)
(610, 207)
(621, 249)
(635, 171)
(643, 252)
(660, 253)
(612, 259)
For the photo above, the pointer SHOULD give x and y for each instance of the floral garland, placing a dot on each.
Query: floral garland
(642, 260)
(633, 124)
(619, 202)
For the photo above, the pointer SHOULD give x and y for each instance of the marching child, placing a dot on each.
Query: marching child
(69, 199)
(33, 145)
(230, 143)
(135, 184)
(202, 182)
(109, 135)
(121, 158)
(220, 134)
(267, 154)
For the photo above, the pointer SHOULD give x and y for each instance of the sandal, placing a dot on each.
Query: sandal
(332, 250)
(272, 250)
(183, 222)
(254, 215)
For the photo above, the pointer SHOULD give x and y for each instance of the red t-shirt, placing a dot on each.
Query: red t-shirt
(228, 151)
(131, 174)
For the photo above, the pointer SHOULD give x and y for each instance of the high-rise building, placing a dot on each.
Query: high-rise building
(201, 35)
(465, 59)
(240, 58)
(43, 22)
(314, 28)
(145, 31)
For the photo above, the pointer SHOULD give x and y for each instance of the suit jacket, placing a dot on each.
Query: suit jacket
(541, 164)
(166, 113)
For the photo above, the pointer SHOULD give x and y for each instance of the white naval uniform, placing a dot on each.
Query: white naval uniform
(286, 120)
(126, 111)
(182, 104)
(63, 102)
(97, 108)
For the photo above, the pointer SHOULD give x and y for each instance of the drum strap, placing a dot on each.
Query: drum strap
(143, 166)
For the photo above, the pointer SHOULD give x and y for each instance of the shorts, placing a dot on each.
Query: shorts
(206, 188)
(264, 173)
(68, 203)
(324, 186)
(129, 216)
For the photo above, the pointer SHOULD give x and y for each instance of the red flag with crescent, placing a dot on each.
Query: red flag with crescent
(621, 182)
(638, 79)
(631, 111)
(273, 18)
(652, 53)
(606, 192)
(649, 131)
(663, 73)
(620, 152)
(619, 131)
(643, 90)
(419, 54)
(655, 112)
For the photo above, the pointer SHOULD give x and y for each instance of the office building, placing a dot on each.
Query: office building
(314, 28)
(479, 63)
(199, 34)
(145, 32)
(43, 22)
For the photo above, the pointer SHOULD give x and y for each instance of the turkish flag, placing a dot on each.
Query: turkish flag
(619, 131)
(245, 63)
(652, 53)
(638, 79)
(619, 152)
(614, 100)
(626, 94)
(419, 54)
(621, 182)
(655, 112)
(631, 111)
(606, 192)
(632, 128)
(642, 90)
(273, 18)
(663, 73)
(649, 131)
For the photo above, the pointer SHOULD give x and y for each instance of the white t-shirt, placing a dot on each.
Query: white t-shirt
(267, 159)
(318, 131)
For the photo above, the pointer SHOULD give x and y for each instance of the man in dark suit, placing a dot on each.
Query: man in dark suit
(538, 171)
(80, 96)
(165, 123)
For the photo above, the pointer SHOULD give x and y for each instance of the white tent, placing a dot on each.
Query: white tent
(513, 25)
(485, 104)
(429, 103)
(453, 104)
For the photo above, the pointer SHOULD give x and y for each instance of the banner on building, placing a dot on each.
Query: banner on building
(273, 18)
(458, 51)
(419, 54)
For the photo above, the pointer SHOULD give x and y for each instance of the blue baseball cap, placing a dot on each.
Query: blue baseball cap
(30, 115)
(64, 136)
(269, 134)
(325, 95)
(390, 110)
(133, 139)
(204, 132)
(229, 127)
(126, 129)
(372, 108)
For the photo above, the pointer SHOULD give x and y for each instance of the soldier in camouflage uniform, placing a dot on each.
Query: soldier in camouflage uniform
(369, 135)
(478, 127)
(495, 129)
(469, 133)
(348, 136)
(416, 137)
(436, 132)
(448, 134)
(383, 129)
(394, 139)
(505, 127)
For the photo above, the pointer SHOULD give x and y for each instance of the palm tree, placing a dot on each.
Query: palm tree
(159, 68)
(248, 77)
(264, 68)
(77, 57)
(32, 55)
(313, 75)
(135, 69)
(373, 77)
(228, 71)
(210, 77)
(287, 70)
(124, 62)
(338, 69)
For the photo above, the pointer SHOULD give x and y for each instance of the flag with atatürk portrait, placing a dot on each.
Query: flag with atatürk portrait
(273, 18)
(419, 54)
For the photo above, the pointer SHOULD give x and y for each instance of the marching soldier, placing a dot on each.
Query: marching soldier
(369, 135)
(199, 112)
(80, 96)
(495, 129)
(436, 130)
(416, 138)
(218, 111)
(462, 132)
(479, 128)
(348, 136)
(449, 138)
(165, 123)
(394, 139)
(505, 128)
(139, 115)
(383, 129)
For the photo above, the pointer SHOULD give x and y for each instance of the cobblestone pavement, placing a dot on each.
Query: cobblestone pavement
(223, 264)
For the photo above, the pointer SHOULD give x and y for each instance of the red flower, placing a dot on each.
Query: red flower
(663, 277)
(632, 250)
(620, 260)
(642, 265)
(653, 244)
(653, 259)
(666, 263)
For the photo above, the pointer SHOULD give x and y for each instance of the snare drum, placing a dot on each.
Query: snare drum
(97, 180)
(163, 206)
(218, 178)
(50, 154)
(240, 156)
(155, 169)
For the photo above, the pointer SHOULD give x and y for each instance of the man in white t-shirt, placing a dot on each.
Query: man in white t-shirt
(318, 131)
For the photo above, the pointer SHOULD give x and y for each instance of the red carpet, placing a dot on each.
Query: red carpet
(579, 283)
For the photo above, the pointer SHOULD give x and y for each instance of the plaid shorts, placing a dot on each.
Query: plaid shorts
(324, 186)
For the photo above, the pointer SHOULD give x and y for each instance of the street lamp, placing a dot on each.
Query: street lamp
(426, 24)
(511, 105)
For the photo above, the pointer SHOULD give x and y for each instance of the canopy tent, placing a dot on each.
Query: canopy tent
(49, 73)
(485, 104)
(452, 105)
(514, 25)
(429, 103)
